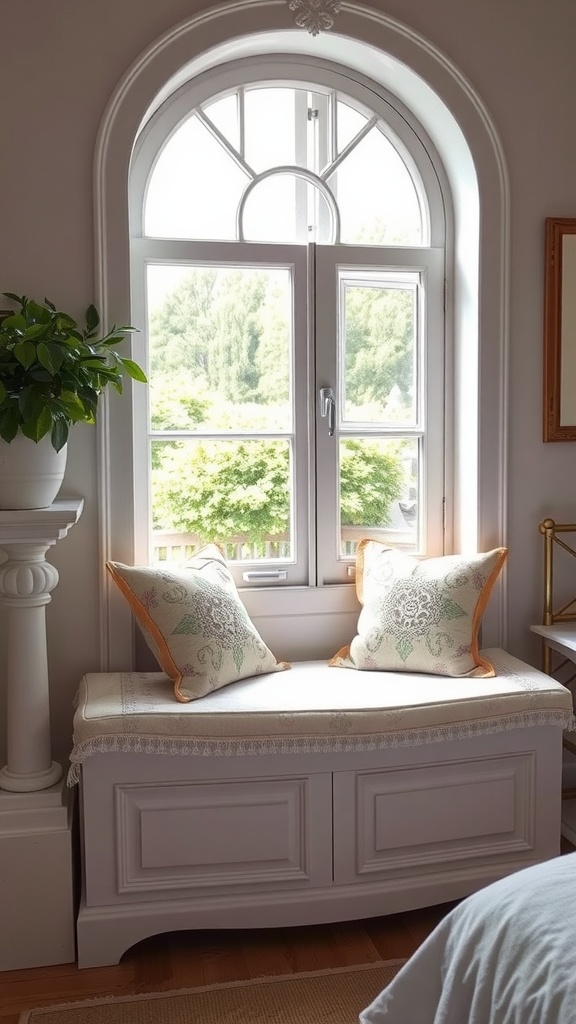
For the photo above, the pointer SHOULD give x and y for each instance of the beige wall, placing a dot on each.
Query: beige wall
(61, 62)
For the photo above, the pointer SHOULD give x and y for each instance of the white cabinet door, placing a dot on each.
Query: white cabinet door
(389, 823)
(211, 837)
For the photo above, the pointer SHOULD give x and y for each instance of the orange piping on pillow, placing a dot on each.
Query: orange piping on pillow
(144, 617)
(478, 613)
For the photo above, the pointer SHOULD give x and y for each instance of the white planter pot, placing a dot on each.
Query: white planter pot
(31, 473)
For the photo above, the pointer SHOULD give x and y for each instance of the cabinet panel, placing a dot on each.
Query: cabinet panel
(222, 835)
(392, 821)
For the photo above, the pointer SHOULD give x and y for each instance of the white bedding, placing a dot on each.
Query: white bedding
(506, 955)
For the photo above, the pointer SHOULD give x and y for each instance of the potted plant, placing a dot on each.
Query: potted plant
(52, 373)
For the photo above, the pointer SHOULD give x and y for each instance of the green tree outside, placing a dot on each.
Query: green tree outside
(219, 362)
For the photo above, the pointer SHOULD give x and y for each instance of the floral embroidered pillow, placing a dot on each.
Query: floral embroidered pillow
(420, 615)
(195, 624)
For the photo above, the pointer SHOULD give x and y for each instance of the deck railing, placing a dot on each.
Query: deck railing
(178, 547)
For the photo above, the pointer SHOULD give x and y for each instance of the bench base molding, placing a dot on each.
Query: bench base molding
(268, 841)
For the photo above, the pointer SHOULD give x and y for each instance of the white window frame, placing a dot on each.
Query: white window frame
(432, 87)
(317, 560)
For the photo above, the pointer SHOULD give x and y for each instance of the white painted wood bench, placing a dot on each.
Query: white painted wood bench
(313, 795)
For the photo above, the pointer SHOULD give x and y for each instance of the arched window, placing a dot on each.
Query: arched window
(288, 254)
(318, 274)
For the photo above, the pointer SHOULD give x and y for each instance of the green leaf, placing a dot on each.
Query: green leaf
(39, 375)
(16, 298)
(44, 357)
(92, 318)
(65, 321)
(2, 392)
(97, 363)
(73, 407)
(29, 429)
(8, 424)
(56, 354)
(69, 332)
(16, 322)
(25, 352)
(44, 423)
(38, 313)
(59, 434)
(35, 331)
(134, 371)
(31, 403)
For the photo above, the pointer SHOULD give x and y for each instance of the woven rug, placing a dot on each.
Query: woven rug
(321, 997)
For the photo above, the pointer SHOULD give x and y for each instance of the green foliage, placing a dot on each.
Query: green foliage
(379, 352)
(52, 371)
(174, 407)
(370, 481)
(222, 489)
(225, 330)
(220, 363)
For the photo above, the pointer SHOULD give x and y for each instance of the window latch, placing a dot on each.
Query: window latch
(328, 407)
(265, 574)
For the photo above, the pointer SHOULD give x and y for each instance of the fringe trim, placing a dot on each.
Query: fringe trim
(248, 746)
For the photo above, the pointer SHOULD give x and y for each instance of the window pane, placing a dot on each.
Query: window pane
(195, 187)
(285, 208)
(379, 326)
(269, 128)
(377, 198)
(349, 122)
(220, 348)
(270, 210)
(224, 115)
(378, 492)
(234, 492)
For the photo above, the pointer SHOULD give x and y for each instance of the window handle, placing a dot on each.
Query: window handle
(265, 574)
(328, 407)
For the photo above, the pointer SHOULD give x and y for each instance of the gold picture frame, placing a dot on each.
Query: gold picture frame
(559, 418)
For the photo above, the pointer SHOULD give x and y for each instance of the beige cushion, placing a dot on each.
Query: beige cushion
(311, 709)
(420, 615)
(195, 623)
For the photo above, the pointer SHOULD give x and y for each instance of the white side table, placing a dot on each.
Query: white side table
(561, 637)
(36, 854)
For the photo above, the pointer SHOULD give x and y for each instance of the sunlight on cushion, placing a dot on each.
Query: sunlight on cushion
(420, 615)
(194, 622)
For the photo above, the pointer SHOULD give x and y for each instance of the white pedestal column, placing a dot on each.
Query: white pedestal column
(37, 911)
(26, 580)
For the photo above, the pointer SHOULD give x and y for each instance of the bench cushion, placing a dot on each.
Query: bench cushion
(311, 708)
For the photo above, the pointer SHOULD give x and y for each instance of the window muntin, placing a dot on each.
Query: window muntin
(309, 217)
(254, 131)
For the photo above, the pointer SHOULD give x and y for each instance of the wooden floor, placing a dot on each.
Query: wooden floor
(187, 959)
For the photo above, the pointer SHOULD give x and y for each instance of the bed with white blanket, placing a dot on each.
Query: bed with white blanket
(506, 955)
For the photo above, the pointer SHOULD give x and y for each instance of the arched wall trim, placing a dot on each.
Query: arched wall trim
(460, 127)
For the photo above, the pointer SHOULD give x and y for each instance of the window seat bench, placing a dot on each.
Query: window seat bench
(311, 795)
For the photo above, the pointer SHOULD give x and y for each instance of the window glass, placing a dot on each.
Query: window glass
(220, 343)
(270, 128)
(348, 123)
(236, 493)
(219, 348)
(376, 195)
(379, 348)
(378, 492)
(195, 188)
(265, 289)
(223, 113)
